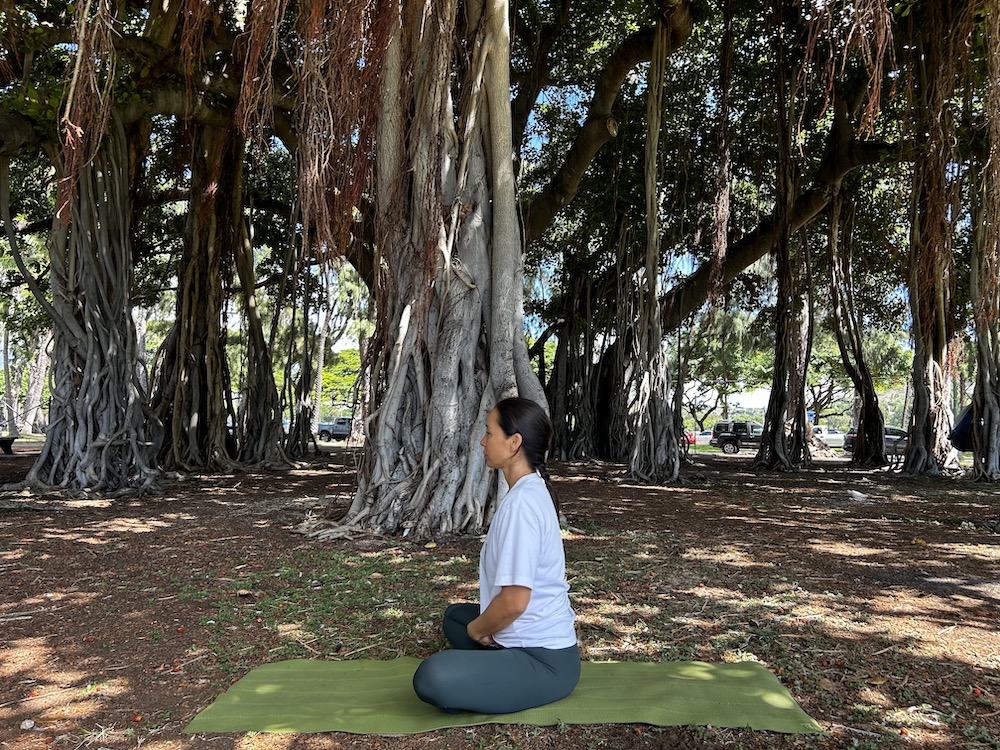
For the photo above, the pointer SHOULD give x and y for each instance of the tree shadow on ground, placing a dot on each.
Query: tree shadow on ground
(121, 619)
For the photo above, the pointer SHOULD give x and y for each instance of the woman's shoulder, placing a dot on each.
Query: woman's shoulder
(529, 484)
(529, 492)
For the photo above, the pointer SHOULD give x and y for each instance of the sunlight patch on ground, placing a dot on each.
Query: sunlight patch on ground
(48, 602)
(728, 555)
(984, 552)
(294, 631)
(265, 741)
(35, 656)
(615, 610)
(49, 693)
(718, 593)
(875, 697)
(579, 535)
(847, 549)
(909, 631)
(100, 534)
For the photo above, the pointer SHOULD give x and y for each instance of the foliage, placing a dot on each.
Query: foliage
(585, 264)
(340, 384)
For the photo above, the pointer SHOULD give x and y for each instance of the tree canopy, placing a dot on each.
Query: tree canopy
(800, 174)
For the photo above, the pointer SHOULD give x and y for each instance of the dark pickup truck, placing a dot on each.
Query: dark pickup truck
(730, 436)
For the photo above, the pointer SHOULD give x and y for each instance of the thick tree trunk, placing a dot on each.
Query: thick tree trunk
(986, 403)
(449, 331)
(299, 375)
(100, 436)
(783, 445)
(869, 447)
(930, 296)
(571, 387)
(190, 393)
(655, 454)
(258, 425)
(931, 256)
(985, 283)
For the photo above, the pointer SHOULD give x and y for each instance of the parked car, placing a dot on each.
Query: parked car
(895, 439)
(338, 429)
(730, 436)
(689, 437)
(830, 436)
(703, 438)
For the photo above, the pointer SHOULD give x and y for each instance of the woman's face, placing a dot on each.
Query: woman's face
(497, 447)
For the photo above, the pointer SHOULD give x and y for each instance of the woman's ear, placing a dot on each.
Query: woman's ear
(515, 442)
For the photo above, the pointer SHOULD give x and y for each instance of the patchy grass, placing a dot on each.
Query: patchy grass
(122, 621)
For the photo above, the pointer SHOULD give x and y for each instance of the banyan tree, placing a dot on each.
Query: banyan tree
(405, 132)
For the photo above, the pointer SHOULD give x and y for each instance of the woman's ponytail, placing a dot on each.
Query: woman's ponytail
(526, 418)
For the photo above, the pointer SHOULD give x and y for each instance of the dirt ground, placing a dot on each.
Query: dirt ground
(886, 635)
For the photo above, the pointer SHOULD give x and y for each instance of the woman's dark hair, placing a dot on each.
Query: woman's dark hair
(522, 416)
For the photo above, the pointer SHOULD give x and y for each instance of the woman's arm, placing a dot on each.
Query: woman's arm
(506, 607)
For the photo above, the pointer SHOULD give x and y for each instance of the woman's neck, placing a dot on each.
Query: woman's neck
(516, 471)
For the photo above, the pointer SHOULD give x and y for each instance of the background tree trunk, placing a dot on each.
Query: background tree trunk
(985, 274)
(321, 343)
(37, 371)
(571, 388)
(869, 446)
(259, 434)
(655, 455)
(11, 393)
(931, 257)
(784, 405)
(191, 390)
(100, 436)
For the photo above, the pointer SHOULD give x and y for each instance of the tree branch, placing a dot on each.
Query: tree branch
(691, 293)
(600, 125)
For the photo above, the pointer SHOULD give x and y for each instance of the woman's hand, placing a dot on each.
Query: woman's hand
(503, 610)
(474, 629)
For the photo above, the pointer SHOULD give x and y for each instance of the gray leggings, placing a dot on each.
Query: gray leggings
(492, 680)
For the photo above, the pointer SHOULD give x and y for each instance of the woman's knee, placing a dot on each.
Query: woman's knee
(455, 622)
(430, 682)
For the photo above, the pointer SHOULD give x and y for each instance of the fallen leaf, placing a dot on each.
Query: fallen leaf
(876, 680)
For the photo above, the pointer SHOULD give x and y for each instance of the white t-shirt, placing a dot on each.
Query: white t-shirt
(524, 547)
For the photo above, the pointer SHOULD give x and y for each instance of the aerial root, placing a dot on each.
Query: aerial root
(43, 491)
(324, 529)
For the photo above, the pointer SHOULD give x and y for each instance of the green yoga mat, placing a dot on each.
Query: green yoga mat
(376, 697)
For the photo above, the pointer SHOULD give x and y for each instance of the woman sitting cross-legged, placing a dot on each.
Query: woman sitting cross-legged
(517, 648)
